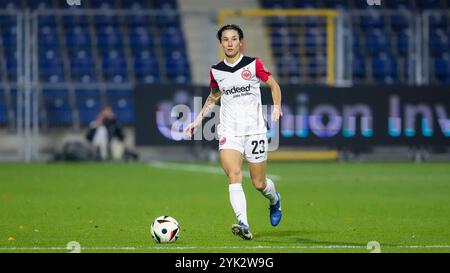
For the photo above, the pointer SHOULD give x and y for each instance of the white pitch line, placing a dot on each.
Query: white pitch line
(229, 247)
(199, 168)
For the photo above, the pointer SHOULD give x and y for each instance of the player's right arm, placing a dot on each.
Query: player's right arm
(212, 99)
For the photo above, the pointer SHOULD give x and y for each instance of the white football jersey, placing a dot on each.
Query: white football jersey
(241, 108)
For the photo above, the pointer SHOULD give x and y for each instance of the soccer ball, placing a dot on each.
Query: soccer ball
(165, 229)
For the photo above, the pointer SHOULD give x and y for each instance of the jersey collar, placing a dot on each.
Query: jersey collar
(235, 63)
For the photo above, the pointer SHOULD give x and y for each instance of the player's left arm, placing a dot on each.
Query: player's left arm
(276, 97)
(264, 75)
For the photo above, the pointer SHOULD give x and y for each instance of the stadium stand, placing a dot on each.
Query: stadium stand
(381, 42)
(97, 49)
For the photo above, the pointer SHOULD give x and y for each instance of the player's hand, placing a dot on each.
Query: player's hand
(277, 113)
(190, 129)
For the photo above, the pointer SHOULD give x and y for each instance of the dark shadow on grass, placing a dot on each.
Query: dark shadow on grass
(298, 237)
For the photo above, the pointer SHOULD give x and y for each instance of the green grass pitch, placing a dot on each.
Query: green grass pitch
(327, 207)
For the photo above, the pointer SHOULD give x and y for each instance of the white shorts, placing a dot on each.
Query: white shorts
(254, 147)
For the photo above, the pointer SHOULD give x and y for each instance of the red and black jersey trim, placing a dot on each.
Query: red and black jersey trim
(223, 67)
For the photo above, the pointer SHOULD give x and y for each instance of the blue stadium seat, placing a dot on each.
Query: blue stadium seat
(48, 38)
(53, 78)
(107, 19)
(82, 64)
(139, 19)
(172, 38)
(51, 64)
(3, 109)
(277, 22)
(176, 63)
(88, 109)
(405, 65)
(177, 66)
(400, 20)
(88, 104)
(109, 36)
(439, 41)
(313, 39)
(103, 4)
(376, 40)
(442, 68)
(10, 4)
(437, 21)
(401, 4)
(117, 78)
(306, 4)
(41, 4)
(148, 77)
(84, 94)
(140, 38)
(85, 78)
(284, 38)
(145, 63)
(374, 20)
(309, 22)
(134, 4)
(78, 37)
(337, 4)
(180, 77)
(7, 20)
(275, 4)
(116, 94)
(384, 68)
(71, 21)
(356, 41)
(124, 109)
(359, 66)
(9, 36)
(114, 64)
(11, 66)
(166, 20)
(314, 65)
(165, 5)
(429, 4)
(402, 42)
(57, 107)
(51, 94)
(288, 65)
(12, 109)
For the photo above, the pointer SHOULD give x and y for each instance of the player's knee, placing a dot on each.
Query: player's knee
(259, 183)
(234, 174)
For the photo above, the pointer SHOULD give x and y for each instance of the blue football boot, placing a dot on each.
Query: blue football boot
(275, 212)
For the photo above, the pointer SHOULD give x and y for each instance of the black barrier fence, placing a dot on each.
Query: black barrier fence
(360, 116)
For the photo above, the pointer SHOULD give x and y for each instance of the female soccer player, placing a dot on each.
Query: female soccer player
(242, 129)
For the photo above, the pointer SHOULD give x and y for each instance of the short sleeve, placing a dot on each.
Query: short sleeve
(261, 71)
(212, 84)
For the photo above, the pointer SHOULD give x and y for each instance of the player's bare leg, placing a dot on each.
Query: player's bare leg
(232, 165)
(266, 186)
(231, 161)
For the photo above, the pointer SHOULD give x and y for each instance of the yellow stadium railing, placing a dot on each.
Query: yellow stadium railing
(330, 15)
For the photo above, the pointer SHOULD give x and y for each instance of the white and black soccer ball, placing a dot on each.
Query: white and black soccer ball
(165, 229)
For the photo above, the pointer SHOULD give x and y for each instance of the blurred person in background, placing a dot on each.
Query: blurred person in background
(106, 136)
